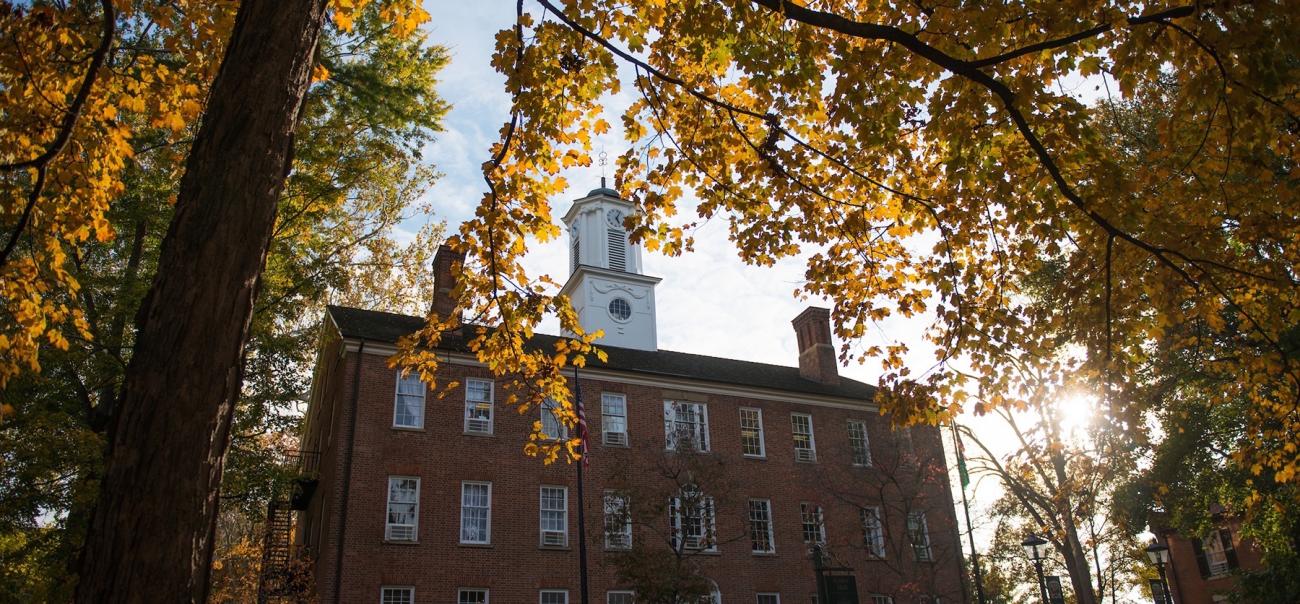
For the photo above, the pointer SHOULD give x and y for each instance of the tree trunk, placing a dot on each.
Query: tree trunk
(150, 537)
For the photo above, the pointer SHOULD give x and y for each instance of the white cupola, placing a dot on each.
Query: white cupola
(605, 282)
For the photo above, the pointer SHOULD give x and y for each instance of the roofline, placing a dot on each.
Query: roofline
(624, 376)
(573, 207)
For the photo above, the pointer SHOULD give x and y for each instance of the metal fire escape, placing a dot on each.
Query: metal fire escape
(279, 581)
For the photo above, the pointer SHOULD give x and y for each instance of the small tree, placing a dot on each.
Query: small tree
(671, 502)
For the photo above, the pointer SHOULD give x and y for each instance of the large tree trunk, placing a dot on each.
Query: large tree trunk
(150, 537)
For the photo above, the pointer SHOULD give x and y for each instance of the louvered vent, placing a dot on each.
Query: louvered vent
(553, 538)
(617, 250)
(401, 532)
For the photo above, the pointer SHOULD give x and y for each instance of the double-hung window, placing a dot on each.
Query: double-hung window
(476, 512)
(873, 531)
(618, 521)
(769, 598)
(397, 595)
(918, 534)
(408, 404)
(403, 519)
(555, 516)
(613, 418)
(552, 427)
(554, 596)
(751, 432)
(692, 518)
(814, 523)
(478, 406)
(804, 448)
(620, 597)
(472, 596)
(858, 443)
(760, 527)
(686, 425)
(1215, 553)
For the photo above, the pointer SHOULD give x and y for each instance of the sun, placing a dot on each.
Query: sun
(1076, 412)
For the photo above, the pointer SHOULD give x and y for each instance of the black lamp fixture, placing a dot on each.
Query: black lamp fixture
(1036, 549)
(1158, 553)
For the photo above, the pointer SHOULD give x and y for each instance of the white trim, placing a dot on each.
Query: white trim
(542, 592)
(397, 393)
(762, 436)
(415, 527)
(615, 376)
(541, 531)
(460, 528)
(491, 401)
(771, 529)
(410, 589)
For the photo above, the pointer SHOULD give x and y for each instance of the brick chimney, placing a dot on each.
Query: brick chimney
(447, 265)
(816, 354)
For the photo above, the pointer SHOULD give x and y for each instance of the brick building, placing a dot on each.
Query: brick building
(428, 499)
(1204, 570)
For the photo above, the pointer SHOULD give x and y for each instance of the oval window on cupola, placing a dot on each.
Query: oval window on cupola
(620, 309)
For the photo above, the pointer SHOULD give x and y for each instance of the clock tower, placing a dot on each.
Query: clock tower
(605, 283)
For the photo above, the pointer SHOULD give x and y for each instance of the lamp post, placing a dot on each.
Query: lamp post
(1036, 549)
(1158, 553)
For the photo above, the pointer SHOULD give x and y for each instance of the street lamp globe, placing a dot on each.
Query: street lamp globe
(1158, 553)
(1035, 547)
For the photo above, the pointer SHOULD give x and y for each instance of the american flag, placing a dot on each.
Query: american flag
(582, 416)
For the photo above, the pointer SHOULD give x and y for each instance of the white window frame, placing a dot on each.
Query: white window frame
(487, 594)
(563, 512)
(471, 405)
(624, 502)
(708, 514)
(771, 537)
(776, 597)
(820, 519)
(488, 523)
(803, 454)
(864, 459)
(614, 438)
(609, 595)
(388, 512)
(548, 407)
(541, 595)
(762, 440)
(921, 552)
(397, 399)
(699, 431)
(874, 543)
(408, 589)
(1216, 554)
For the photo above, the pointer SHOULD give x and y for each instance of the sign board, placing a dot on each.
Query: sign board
(1055, 594)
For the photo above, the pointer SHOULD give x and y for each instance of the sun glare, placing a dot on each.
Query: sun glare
(1076, 412)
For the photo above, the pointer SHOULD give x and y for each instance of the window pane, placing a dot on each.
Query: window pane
(769, 599)
(858, 443)
(618, 522)
(751, 432)
(918, 536)
(873, 535)
(555, 597)
(408, 404)
(619, 597)
(472, 596)
(760, 525)
(686, 424)
(475, 512)
(814, 530)
(554, 510)
(398, 595)
(552, 427)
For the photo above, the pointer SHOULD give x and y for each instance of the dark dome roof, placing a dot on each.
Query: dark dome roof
(603, 191)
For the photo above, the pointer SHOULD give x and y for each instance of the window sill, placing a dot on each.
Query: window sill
(475, 545)
(408, 429)
(771, 554)
(755, 457)
(479, 434)
(703, 552)
(555, 548)
(393, 542)
(616, 549)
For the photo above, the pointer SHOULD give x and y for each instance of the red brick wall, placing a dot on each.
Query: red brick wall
(514, 568)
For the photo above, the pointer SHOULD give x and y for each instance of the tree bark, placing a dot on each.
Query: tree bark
(150, 538)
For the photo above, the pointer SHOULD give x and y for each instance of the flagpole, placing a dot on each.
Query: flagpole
(964, 478)
(582, 521)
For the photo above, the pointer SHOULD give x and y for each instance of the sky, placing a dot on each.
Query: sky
(709, 301)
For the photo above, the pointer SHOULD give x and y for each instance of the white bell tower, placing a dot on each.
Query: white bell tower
(605, 282)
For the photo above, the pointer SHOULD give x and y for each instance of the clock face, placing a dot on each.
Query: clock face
(614, 218)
